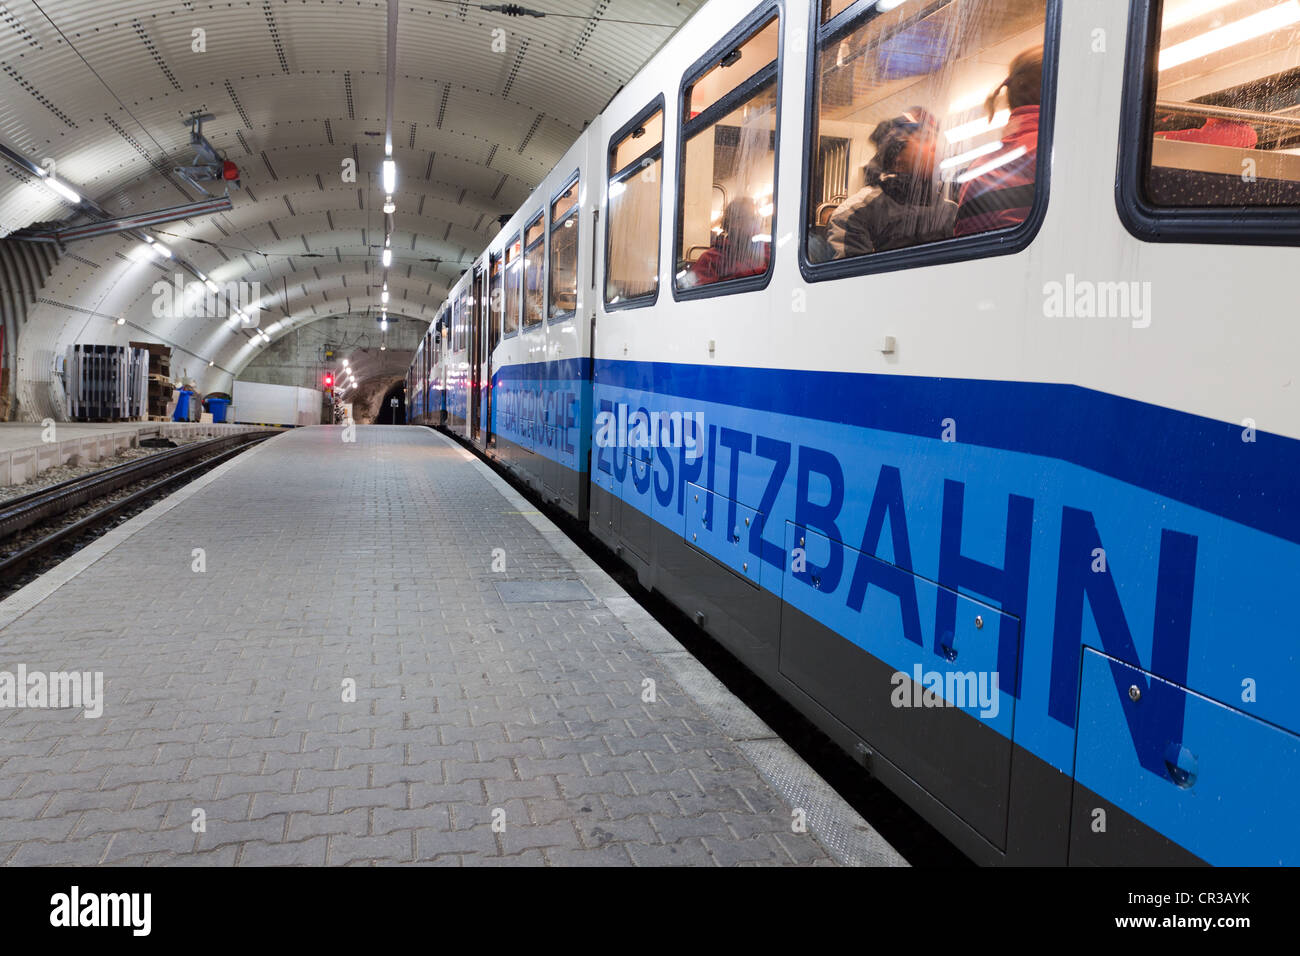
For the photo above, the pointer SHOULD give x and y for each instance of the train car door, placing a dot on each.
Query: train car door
(476, 355)
(495, 308)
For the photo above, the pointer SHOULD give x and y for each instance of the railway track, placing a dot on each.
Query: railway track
(47, 505)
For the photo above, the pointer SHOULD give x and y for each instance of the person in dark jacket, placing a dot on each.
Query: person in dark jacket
(902, 204)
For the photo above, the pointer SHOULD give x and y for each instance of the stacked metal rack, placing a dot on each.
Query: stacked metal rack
(106, 382)
(159, 386)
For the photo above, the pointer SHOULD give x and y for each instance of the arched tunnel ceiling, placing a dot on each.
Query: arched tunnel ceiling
(296, 87)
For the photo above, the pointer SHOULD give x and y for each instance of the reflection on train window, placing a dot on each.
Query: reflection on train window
(737, 66)
(728, 175)
(564, 252)
(534, 269)
(514, 272)
(1227, 104)
(635, 167)
(495, 294)
(833, 8)
(926, 123)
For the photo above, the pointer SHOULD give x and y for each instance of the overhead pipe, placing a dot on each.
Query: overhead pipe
(129, 223)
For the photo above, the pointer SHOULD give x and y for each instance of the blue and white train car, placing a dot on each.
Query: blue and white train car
(935, 357)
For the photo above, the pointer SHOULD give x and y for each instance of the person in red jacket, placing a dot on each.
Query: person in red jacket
(1002, 195)
(743, 251)
(1216, 132)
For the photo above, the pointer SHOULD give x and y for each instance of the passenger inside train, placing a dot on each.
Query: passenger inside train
(902, 203)
(1225, 129)
(1002, 195)
(1214, 130)
(741, 250)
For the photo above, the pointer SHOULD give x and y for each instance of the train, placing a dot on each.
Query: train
(933, 356)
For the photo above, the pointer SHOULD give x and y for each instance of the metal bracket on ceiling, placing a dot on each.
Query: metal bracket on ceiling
(209, 164)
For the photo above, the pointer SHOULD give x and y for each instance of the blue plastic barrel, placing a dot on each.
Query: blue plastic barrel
(218, 406)
(182, 413)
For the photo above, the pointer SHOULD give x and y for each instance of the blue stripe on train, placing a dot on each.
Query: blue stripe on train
(541, 406)
(1144, 445)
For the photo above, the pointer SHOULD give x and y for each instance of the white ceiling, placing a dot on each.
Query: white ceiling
(295, 85)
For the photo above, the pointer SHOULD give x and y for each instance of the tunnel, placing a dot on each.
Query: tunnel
(392, 408)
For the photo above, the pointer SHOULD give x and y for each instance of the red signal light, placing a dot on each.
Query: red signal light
(329, 381)
(229, 171)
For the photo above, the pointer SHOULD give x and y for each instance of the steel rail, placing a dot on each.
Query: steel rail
(82, 525)
(24, 511)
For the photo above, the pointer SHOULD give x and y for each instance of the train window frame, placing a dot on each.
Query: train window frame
(540, 216)
(1000, 242)
(505, 294)
(749, 27)
(496, 267)
(1222, 225)
(658, 104)
(465, 311)
(548, 303)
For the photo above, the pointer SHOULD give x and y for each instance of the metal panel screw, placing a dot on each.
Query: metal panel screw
(1135, 693)
(979, 621)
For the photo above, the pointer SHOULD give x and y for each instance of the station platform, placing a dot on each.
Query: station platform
(308, 658)
(27, 449)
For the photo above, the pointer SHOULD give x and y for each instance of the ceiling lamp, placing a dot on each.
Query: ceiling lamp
(64, 191)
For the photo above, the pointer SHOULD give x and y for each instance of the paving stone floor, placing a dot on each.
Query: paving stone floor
(483, 730)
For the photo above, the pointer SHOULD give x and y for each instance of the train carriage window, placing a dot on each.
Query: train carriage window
(564, 253)
(534, 270)
(1223, 117)
(464, 320)
(496, 303)
(727, 183)
(925, 124)
(514, 273)
(636, 159)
